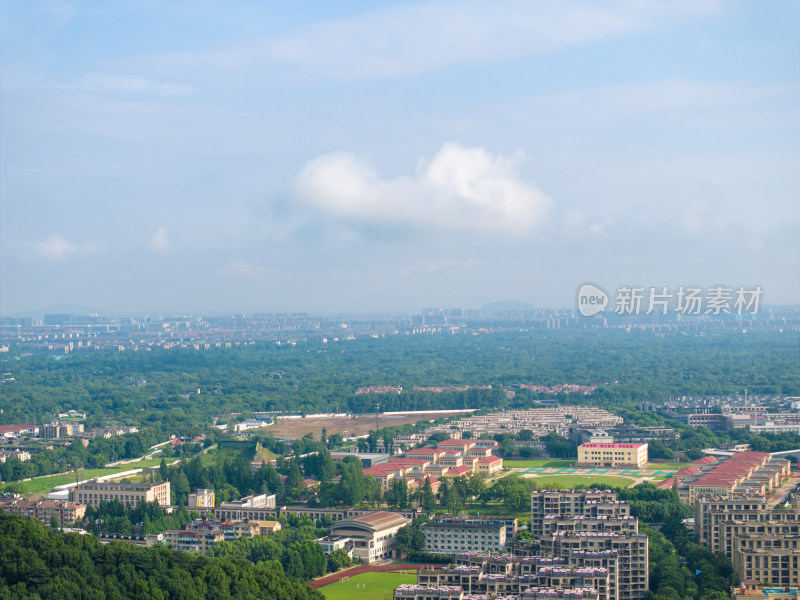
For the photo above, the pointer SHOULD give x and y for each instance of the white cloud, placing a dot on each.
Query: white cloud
(461, 189)
(159, 242)
(57, 247)
(418, 37)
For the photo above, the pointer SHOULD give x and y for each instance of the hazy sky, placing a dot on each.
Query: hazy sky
(235, 156)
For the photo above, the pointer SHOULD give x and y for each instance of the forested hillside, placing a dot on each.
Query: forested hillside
(37, 564)
(160, 387)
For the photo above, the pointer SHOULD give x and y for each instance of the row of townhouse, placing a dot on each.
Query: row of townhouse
(449, 458)
(539, 420)
(750, 473)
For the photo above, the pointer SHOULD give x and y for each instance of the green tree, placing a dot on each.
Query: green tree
(428, 498)
(410, 539)
(295, 483)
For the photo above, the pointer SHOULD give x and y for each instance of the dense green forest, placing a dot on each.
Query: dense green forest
(159, 388)
(38, 564)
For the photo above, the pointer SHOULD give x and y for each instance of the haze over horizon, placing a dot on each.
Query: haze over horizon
(253, 157)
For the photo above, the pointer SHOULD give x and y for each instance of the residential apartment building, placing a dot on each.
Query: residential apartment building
(58, 429)
(630, 579)
(187, 540)
(762, 541)
(200, 534)
(12, 431)
(447, 535)
(249, 507)
(776, 564)
(487, 575)
(201, 499)
(93, 492)
(612, 455)
(20, 455)
(591, 529)
(44, 510)
(566, 503)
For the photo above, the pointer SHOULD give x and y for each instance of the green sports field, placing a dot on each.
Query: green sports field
(537, 463)
(569, 482)
(367, 586)
(666, 466)
(45, 484)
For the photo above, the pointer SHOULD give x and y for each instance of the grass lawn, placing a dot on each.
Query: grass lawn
(266, 455)
(666, 466)
(45, 484)
(367, 586)
(569, 482)
(496, 509)
(534, 463)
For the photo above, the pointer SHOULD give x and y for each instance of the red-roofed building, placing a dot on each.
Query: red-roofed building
(456, 471)
(426, 453)
(451, 460)
(408, 463)
(687, 472)
(17, 430)
(384, 478)
(450, 452)
(747, 472)
(489, 465)
(667, 484)
(612, 455)
(460, 445)
(436, 470)
(479, 452)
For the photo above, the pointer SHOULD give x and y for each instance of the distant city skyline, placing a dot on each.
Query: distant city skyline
(212, 158)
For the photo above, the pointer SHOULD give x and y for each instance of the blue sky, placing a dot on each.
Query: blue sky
(256, 156)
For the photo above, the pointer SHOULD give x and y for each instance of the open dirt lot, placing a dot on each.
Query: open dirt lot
(347, 426)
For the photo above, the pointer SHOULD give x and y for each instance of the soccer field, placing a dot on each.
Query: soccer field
(538, 463)
(569, 482)
(367, 586)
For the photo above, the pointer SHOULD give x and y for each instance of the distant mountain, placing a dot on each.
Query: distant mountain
(507, 306)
